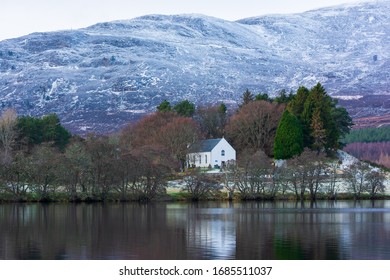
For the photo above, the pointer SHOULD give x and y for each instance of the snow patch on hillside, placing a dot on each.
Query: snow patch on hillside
(346, 159)
(131, 66)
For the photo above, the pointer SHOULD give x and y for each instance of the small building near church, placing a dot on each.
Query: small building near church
(215, 153)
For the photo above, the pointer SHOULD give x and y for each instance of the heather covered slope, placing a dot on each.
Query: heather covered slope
(100, 77)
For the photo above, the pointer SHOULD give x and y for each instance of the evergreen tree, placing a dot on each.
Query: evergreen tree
(283, 98)
(296, 106)
(322, 120)
(371, 134)
(289, 137)
(33, 131)
(342, 120)
(263, 96)
(318, 132)
(247, 97)
(222, 109)
(30, 130)
(164, 106)
(318, 100)
(185, 108)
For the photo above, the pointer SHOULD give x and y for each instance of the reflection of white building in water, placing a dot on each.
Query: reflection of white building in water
(210, 232)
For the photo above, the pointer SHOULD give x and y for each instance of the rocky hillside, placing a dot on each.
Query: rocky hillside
(100, 77)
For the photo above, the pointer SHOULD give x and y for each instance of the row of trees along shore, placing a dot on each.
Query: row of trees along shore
(41, 161)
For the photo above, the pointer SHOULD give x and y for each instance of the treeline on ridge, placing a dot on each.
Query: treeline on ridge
(40, 160)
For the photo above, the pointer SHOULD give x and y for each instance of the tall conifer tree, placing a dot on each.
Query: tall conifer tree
(289, 137)
(318, 101)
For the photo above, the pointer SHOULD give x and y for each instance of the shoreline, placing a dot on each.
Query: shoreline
(186, 197)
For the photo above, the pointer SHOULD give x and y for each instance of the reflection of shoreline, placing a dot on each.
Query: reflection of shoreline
(210, 230)
(215, 233)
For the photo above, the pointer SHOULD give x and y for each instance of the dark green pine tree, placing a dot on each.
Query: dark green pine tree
(53, 131)
(342, 120)
(164, 106)
(296, 106)
(247, 97)
(263, 96)
(283, 98)
(34, 131)
(222, 109)
(318, 133)
(185, 108)
(289, 137)
(319, 100)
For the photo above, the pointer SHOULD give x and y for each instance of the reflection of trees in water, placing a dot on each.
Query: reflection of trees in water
(115, 231)
(276, 235)
(370, 230)
(316, 233)
(285, 230)
(32, 225)
(91, 231)
(131, 231)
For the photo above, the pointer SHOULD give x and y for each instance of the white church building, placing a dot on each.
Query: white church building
(212, 152)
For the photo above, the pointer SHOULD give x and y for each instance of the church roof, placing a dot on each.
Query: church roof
(204, 145)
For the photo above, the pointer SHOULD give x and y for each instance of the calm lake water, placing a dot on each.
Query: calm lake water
(163, 231)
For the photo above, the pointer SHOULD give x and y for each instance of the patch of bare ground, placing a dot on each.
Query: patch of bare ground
(374, 121)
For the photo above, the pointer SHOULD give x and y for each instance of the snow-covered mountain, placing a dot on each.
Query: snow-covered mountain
(100, 77)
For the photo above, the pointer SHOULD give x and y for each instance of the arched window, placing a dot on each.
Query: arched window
(223, 153)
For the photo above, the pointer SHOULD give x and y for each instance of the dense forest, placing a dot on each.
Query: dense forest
(367, 135)
(41, 161)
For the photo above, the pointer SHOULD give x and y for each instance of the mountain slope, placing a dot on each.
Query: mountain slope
(100, 77)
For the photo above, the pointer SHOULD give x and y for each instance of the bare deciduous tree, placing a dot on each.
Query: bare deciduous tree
(355, 176)
(74, 170)
(177, 135)
(200, 185)
(331, 188)
(254, 179)
(8, 134)
(306, 174)
(230, 175)
(14, 177)
(375, 183)
(102, 152)
(150, 167)
(43, 171)
(254, 126)
(212, 121)
(164, 129)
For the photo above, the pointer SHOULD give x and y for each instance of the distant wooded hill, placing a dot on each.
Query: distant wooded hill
(366, 135)
(370, 144)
